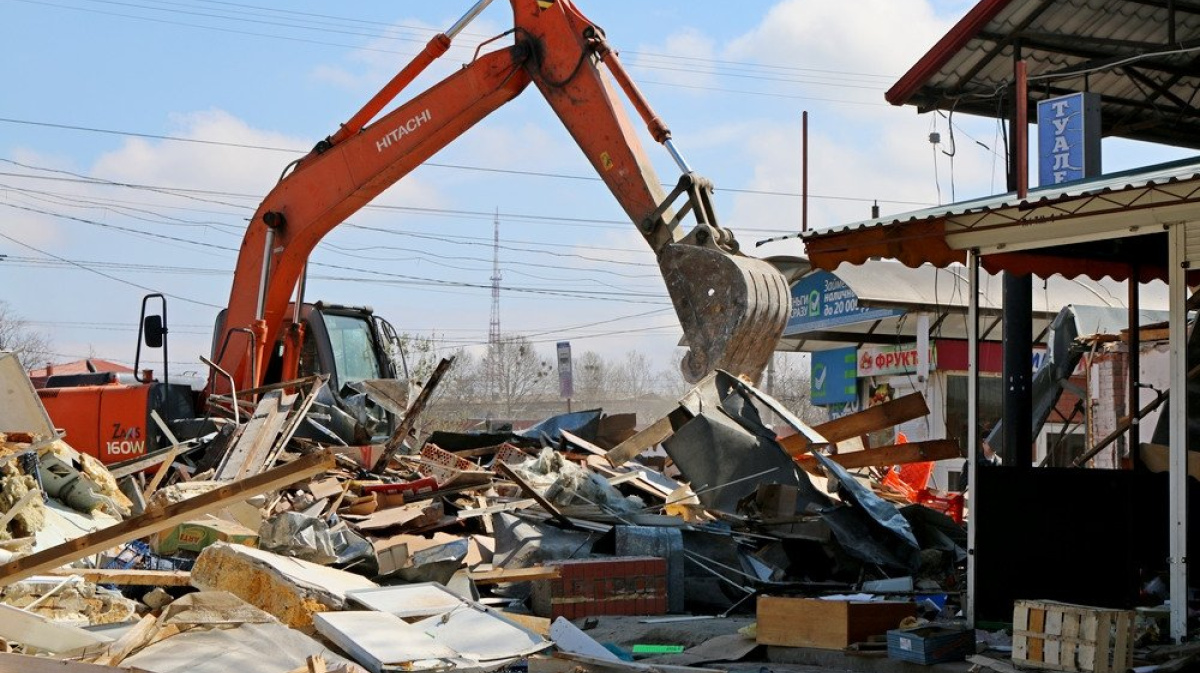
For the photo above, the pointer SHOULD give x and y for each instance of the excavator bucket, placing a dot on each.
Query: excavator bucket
(732, 309)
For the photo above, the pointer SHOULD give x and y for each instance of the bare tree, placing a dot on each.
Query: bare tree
(635, 376)
(449, 406)
(516, 372)
(793, 387)
(31, 346)
(593, 377)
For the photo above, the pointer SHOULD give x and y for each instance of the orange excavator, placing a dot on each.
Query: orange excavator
(732, 308)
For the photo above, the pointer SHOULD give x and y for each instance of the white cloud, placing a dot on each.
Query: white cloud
(23, 199)
(369, 67)
(865, 43)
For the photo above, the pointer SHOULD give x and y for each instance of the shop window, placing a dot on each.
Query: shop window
(991, 406)
(1064, 443)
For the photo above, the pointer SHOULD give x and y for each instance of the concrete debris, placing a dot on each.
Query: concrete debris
(290, 589)
(260, 548)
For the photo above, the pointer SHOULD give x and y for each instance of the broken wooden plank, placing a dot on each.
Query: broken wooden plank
(886, 456)
(126, 576)
(133, 639)
(153, 521)
(128, 467)
(167, 459)
(414, 410)
(648, 438)
(1156, 458)
(580, 442)
(499, 575)
(161, 471)
(878, 417)
(249, 455)
(298, 415)
(495, 509)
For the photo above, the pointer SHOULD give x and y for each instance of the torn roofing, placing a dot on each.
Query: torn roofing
(1137, 55)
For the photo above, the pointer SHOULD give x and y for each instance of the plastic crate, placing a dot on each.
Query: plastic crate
(950, 504)
(930, 644)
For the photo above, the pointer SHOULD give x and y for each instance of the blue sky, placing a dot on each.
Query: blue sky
(137, 137)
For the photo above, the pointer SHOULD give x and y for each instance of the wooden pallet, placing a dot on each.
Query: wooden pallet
(1065, 637)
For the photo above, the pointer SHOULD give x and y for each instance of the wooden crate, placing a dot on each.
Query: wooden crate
(832, 625)
(1065, 637)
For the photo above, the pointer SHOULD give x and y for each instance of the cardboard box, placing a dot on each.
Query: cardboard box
(196, 535)
(830, 625)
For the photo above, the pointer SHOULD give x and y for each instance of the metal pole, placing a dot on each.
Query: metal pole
(1177, 473)
(804, 172)
(1135, 364)
(1017, 448)
(972, 425)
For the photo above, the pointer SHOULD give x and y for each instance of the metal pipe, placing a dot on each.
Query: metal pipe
(679, 160)
(237, 416)
(438, 44)
(266, 273)
(300, 293)
(467, 18)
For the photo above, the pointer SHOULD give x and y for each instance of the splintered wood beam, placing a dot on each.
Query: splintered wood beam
(126, 576)
(886, 456)
(500, 575)
(414, 410)
(648, 438)
(878, 417)
(174, 514)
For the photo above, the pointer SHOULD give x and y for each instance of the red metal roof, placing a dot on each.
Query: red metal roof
(1137, 54)
(81, 367)
(945, 49)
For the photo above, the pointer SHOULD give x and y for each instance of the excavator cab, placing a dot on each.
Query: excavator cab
(355, 350)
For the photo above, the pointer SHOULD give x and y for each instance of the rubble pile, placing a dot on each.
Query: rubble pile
(706, 536)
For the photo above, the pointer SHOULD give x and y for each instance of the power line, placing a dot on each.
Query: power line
(384, 31)
(485, 169)
(105, 275)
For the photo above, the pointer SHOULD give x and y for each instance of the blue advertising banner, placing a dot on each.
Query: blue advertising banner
(834, 376)
(1068, 138)
(821, 300)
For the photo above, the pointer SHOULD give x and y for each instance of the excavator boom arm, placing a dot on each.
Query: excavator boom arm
(328, 187)
(732, 308)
